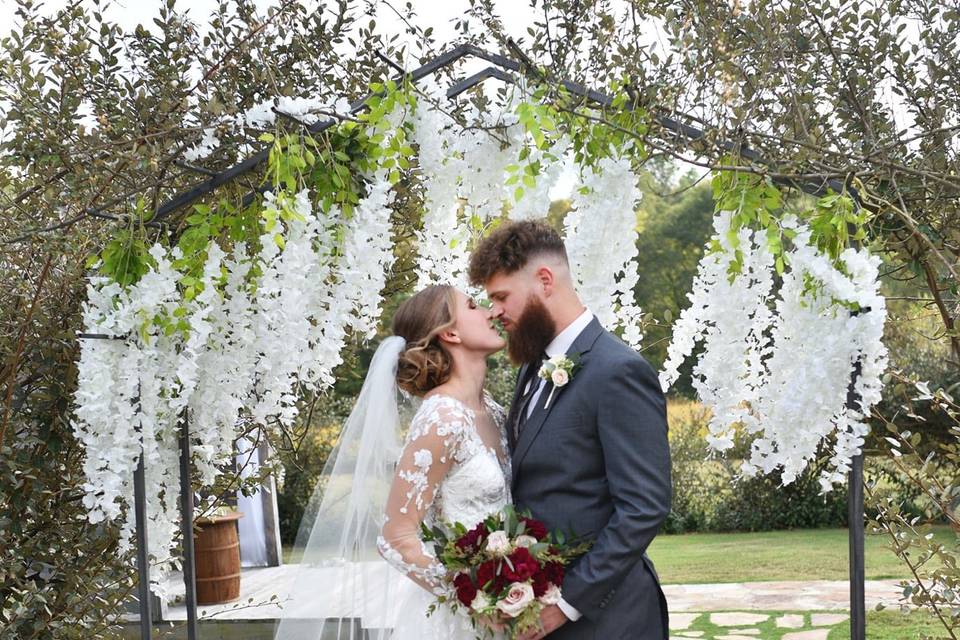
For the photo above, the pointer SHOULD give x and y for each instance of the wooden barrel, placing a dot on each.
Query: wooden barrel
(217, 549)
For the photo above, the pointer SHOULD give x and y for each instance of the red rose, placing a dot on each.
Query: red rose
(466, 590)
(524, 566)
(554, 572)
(488, 578)
(471, 540)
(534, 528)
(541, 582)
(486, 573)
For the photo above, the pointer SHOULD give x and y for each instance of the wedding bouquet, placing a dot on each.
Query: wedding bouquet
(506, 569)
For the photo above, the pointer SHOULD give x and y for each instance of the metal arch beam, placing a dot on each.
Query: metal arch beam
(478, 78)
(200, 189)
(685, 131)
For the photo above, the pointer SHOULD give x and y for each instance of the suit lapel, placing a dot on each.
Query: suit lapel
(582, 344)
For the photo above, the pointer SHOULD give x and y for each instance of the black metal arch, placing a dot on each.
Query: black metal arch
(502, 68)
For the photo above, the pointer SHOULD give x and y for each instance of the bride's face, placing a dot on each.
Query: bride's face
(475, 326)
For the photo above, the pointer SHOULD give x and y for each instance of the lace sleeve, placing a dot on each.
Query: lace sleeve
(427, 456)
(499, 415)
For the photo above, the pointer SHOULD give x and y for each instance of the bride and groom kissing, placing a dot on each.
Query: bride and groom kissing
(584, 450)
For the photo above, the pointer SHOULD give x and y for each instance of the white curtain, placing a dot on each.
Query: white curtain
(252, 529)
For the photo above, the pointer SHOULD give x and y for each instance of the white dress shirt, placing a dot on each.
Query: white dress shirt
(559, 346)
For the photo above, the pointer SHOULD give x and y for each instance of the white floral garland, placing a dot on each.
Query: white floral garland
(729, 318)
(601, 240)
(251, 345)
(784, 374)
(444, 237)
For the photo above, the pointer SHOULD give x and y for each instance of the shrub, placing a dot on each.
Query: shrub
(709, 495)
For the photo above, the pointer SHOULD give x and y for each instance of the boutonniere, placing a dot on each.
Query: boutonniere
(558, 370)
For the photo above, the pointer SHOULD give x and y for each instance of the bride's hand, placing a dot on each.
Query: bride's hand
(493, 622)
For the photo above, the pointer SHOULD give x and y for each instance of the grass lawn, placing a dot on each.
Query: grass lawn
(881, 625)
(809, 554)
(893, 625)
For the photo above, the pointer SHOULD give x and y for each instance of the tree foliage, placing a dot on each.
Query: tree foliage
(96, 121)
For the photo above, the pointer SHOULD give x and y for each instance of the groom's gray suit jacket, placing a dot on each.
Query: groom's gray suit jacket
(597, 463)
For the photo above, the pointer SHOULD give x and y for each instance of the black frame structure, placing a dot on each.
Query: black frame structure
(502, 68)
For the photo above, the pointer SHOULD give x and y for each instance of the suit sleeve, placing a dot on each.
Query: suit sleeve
(632, 427)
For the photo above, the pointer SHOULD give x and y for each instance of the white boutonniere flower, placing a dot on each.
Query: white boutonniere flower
(558, 371)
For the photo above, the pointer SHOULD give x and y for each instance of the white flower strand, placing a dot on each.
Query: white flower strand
(250, 345)
(817, 343)
(729, 318)
(600, 236)
(224, 365)
(788, 385)
(443, 240)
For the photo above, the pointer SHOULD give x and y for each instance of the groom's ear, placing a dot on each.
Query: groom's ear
(545, 278)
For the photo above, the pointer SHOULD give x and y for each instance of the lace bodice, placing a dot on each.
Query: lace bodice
(450, 470)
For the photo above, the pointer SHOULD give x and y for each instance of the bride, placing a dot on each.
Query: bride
(375, 493)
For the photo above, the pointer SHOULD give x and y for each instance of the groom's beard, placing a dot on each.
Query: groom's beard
(532, 332)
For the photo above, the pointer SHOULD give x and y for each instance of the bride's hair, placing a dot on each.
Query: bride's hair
(424, 364)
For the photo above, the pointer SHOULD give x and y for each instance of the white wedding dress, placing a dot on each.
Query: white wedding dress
(454, 468)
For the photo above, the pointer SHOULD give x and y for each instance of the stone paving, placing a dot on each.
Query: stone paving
(736, 611)
(262, 584)
(743, 625)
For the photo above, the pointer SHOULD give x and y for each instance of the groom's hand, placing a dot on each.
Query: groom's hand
(551, 619)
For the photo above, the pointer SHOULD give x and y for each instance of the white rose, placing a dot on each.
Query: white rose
(525, 541)
(552, 596)
(518, 597)
(559, 377)
(498, 543)
(481, 602)
(557, 360)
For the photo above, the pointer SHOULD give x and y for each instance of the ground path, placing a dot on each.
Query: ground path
(260, 585)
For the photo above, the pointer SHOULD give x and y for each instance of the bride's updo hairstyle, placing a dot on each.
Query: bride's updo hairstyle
(419, 320)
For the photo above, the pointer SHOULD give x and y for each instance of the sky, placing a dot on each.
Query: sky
(431, 13)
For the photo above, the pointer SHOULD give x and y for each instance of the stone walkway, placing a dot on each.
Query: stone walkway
(259, 586)
(743, 625)
(776, 596)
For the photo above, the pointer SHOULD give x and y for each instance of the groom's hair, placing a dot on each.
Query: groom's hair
(511, 246)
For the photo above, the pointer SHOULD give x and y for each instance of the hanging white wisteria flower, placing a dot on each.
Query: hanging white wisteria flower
(368, 247)
(224, 365)
(802, 402)
(444, 237)
(601, 240)
(254, 330)
(729, 318)
(282, 321)
(781, 369)
(485, 154)
(140, 377)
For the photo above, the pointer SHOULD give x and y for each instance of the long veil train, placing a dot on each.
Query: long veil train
(343, 588)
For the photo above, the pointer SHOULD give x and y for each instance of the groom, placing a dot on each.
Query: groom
(590, 456)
